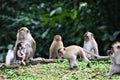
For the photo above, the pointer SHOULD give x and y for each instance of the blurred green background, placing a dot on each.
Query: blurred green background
(69, 18)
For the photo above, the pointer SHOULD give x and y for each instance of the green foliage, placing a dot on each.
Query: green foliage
(60, 71)
(70, 19)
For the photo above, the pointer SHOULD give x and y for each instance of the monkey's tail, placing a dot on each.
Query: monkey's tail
(44, 60)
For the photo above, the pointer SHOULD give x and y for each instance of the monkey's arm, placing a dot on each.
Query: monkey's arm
(96, 50)
(113, 59)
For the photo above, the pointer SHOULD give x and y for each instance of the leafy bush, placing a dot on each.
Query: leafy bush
(71, 19)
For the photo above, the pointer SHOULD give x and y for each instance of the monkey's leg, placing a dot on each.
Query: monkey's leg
(71, 63)
(113, 69)
(75, 64)
(85, 59)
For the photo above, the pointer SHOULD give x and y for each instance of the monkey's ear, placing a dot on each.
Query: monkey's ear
(18, 30)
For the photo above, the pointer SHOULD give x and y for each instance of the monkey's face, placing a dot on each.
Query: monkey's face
(22, 45)
(116, 47)
(88, 36)
(22, 33)
(61, 52)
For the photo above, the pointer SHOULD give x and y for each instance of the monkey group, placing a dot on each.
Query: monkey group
(25, 48)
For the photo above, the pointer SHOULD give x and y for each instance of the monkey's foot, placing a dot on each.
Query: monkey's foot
(23, 63)
(2, 64)
(71, 68)
(107, 75)
(88, 65)
(74, 68)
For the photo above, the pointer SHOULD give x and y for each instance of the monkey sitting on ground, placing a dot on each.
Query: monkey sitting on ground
(25, 36)
(115, 57)
(71, 53)
(9, 57)
(20, 55)
(91, 47)
(9, 60)
(56, 44)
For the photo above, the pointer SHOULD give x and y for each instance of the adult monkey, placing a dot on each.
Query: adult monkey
(56, 44)
(25, 36)
(91, 47)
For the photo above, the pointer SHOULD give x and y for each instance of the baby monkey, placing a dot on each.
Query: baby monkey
(115, 57)
(20, 55)
(71, 53)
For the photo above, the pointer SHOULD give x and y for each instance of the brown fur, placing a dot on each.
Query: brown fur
(25, 36)
(90, 44)
(71, 53)
(115, 57)
(56, 44)
(91, 47)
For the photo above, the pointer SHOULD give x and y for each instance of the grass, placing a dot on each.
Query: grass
(60, 71)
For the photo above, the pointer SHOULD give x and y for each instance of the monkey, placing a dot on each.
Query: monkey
(9, 57)
(71, 53)
(24, 35)
(114, 53)
(10, 60)
(1, 77)
(20, 55)
(90, 46)
(56, 44)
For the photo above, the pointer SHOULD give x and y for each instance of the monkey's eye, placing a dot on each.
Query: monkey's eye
(28, 31)
(60, 52)
(118, 47)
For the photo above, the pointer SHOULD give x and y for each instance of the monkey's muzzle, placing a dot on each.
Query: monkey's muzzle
(110, 52)
(86, 38)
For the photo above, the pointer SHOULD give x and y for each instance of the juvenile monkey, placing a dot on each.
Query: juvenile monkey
(25, 36)
(90, 44)
(115, 57)
(56, 44)
(91, 47)
(20, 55)
(71, 53)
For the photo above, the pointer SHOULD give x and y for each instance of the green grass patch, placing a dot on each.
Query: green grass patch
(60, 71)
